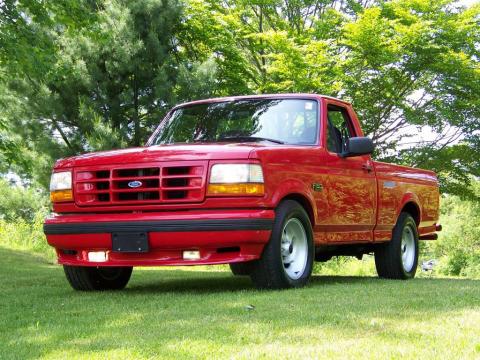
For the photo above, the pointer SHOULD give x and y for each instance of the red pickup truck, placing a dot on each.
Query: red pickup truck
(268, 184)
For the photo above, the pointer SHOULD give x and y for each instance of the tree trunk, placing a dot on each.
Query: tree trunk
(136, 117)
(62, 133)
(262, 50)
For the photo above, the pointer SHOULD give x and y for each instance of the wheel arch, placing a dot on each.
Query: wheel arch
(304, 201)
(297, 190)
(413, 209)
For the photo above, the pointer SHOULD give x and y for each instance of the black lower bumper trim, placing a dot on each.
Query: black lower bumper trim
(158, 226)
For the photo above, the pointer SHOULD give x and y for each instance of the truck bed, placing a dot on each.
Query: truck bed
(398, 185)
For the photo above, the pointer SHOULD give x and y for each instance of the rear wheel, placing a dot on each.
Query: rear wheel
(287, 259)
(398, 258)
(97, 278)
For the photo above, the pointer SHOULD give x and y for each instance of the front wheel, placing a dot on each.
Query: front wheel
(287, 259)
(398, 258)
(97, 278)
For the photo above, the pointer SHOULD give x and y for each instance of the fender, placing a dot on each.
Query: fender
(291, 187)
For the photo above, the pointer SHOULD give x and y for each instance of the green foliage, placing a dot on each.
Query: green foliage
(119, 68)
(18, 203)
(84, 75)
(26, 235)
(346, 266)
(197, 80)
(458, 246)
(103, 75)
(8, 148)
(10, 143)
(22, 213)
(403, 64)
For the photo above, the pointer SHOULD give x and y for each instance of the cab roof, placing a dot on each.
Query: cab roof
(263, 96)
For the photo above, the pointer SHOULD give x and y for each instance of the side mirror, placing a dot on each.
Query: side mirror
(356, 146)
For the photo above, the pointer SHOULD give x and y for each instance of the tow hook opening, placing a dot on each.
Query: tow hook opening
(229, 249)
(69, 252)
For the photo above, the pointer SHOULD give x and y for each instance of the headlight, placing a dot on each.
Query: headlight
(61, 186)
(236, 179)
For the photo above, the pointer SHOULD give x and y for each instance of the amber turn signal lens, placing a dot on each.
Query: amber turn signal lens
(61, 195)
(236, 189)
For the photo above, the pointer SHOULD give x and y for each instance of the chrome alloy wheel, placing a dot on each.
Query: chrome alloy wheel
(294, 248)
(408, 248)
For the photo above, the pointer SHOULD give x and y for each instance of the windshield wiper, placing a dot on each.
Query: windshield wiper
(249, 138)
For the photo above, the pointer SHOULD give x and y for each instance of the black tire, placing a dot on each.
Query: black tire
(269, 272)
(242, 268)
(86, 278)
(388, 256)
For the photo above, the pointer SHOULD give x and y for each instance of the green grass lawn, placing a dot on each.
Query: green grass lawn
(187, 313)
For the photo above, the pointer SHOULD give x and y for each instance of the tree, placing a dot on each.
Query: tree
(99, 80)
(101, 74)
(416, 64)
(28, 52)
(403, 64)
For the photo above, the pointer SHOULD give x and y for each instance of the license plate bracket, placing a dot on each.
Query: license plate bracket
(133, 242)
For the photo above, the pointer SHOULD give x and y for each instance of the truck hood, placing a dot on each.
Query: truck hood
(184, 152)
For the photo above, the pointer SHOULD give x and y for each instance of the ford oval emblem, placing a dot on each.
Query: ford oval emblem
(135, 184)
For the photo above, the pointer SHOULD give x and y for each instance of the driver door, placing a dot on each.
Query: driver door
(351, 181)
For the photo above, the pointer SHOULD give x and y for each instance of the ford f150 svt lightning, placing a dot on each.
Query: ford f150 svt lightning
(268, 184)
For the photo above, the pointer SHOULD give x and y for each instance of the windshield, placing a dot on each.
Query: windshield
(289, 121)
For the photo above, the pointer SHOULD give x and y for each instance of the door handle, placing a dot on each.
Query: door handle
(367, 167)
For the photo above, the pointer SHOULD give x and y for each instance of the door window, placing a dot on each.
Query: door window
(339, 128)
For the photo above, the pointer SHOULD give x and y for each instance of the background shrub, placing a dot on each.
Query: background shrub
(22, 212)
(17, 202)
(458, 246)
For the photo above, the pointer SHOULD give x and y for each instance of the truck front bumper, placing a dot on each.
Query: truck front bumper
(220, 237)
